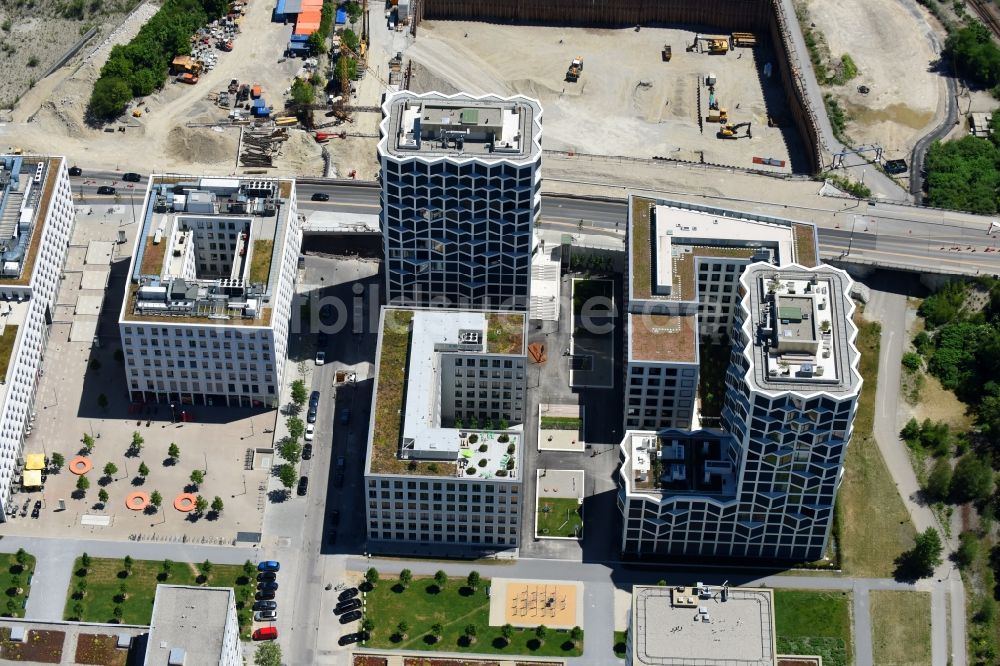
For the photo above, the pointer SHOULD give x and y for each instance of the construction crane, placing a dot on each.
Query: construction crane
(729, 131)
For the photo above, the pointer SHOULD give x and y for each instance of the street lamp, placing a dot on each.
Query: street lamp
(173, 415)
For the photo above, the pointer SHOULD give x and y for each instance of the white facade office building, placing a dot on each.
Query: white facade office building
(461, 192)
(443, 469)
(765, 485)
(194, 625)
(206, 314)
(36, 221)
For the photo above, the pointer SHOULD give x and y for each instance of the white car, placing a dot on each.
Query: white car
(310, 432)
(320, 358)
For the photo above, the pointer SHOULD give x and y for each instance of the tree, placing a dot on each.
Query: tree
(353, 11)
(137, 441)
(350, 38)
(128, 563)
(286, 473)
(108, 99)
(81, 587)
(200, 505)
(437, 631)
(541, 631)
(507, 631)
(206, 568)
(299, 394)
(57, 461)
(372, 576)
(295, 427)
(402, 628)
(167, 567)
(22, 558)
(317, 44)
(968, 549)
(82, 483)
(576, 635)
(123, 590)
(911, 431)
(155, 498)
(77, 610)
(405, 577)
(291, 451)
(85, 561)
(473, 580)
(911, 361)
(268, 654)
(102, 495)
(972, 480)
(173, 451)
(440, 579)
(197, 478)
(926, 553)
(249, 570)
(217, 505)
(368, 625)
(143, 470)
(110, 470)
(88, 443)
(470, 633)
(118, 612)
(303, 94)
(939, 481)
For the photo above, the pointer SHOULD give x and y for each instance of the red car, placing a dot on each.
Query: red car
(265, 634)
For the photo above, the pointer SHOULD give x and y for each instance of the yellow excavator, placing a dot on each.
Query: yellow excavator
(729, 131)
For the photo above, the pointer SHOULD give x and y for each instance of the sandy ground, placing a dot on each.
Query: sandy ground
(161, 139)
(39, 32)
(627, 102)
(890, 41)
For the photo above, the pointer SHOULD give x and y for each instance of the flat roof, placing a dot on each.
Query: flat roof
(27, 187)
(804, 318)
(663, 338)
(485, 128)
(675, 462)
(210, 251)
(669, 238)
(189, 618)
(701, 629)
(406, 399)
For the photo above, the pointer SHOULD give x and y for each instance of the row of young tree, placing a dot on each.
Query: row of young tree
(140, 67)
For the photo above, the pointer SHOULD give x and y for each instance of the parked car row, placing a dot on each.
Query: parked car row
(265, 607)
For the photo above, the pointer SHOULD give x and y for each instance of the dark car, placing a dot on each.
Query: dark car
(335, 517)
(311, 415)
(75, 171)
(348, 594)
(269, 586)
(338, 480)
(320, 196)
(266, 576)
(303, 486)
(264, 594)
(345, 606)
(131, 177)
(314, 399)
(105, 189)
(356, 637)
(345, 416)
(353, 616)
(269, 565)
(307, 452)
(265, 605)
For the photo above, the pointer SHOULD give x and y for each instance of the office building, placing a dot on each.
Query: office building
(443, 468)
(194, 625)
(207, 309)
(684, 263)
(461, 191)
(764, 486)
(36, 221)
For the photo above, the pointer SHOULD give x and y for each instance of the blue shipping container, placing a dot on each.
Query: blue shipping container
(341, 16)
(279, 12)
(300, 38)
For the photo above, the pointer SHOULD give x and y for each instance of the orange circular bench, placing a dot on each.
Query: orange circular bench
(137, 501)
(80, 465)
(185, 502)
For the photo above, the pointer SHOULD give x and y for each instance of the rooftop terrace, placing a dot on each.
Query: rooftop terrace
(209, 251)
(27, 184)
(437, 125)
(673, 462)
(688, 625)
(407, 435)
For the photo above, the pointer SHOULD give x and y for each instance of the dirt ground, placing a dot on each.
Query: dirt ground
(51, 122)
(39, 33)
(891, 43)
(627, 101)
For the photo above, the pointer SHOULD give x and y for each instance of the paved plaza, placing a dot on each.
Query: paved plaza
(558, 439)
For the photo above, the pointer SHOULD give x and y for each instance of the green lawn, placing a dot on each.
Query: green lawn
(814, 622)
(14, 604)
(901, 628)
(620, 638)
(558, 517)
(422, 606)
(106, 575)
(561, 423)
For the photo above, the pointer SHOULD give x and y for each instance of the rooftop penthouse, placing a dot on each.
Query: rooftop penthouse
(26, 192)
(674, 462)
(210, 250)
(432, 414)
(457, 126)
(801, 325)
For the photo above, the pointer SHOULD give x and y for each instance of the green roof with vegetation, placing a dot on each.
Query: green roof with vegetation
(260, 261)
(640, 230)
(7, 348)
(504, 333)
